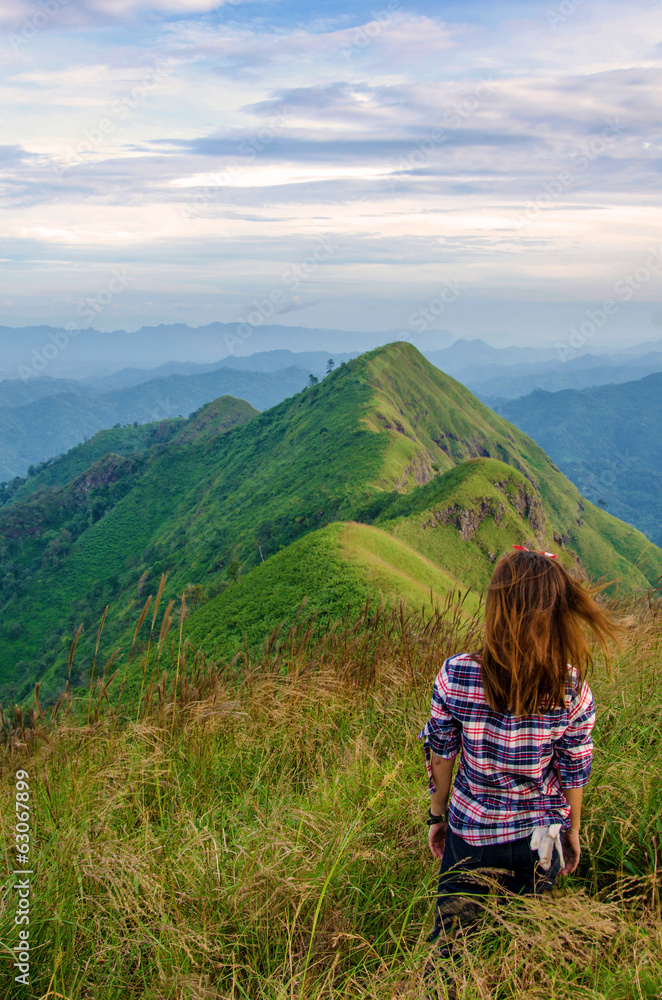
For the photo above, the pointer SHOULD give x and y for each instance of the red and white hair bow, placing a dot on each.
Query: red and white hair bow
(523, 548)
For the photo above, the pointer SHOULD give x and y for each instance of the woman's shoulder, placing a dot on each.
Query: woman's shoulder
(464, 659)
(460, 671)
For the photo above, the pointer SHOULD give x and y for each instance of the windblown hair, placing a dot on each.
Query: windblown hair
(534, 630)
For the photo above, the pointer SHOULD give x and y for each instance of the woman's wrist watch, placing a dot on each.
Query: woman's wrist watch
(433, 820)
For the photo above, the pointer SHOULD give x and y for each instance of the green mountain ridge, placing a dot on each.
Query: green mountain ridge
(385, 480)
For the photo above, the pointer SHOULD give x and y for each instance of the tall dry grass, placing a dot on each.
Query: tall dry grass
(256, 828)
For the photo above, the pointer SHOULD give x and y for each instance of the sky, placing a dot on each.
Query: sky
(486, 169)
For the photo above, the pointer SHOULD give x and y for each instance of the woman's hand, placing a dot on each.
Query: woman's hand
(571, 852)
(437, 839)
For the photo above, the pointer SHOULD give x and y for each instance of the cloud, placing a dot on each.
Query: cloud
(388, 149)
(295, 303)
(238, 50)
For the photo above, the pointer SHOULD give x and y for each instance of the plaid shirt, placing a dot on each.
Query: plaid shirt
(512, 767)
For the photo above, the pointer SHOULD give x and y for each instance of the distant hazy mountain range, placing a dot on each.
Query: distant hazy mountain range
(608, 442)
(82, 354)
(263, 361)
(44, 350)
(507, 373)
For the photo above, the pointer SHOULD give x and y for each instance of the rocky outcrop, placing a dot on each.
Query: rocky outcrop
(419, 469)
(527, 504)
(580, 510)
(467, 522)
(106, 471)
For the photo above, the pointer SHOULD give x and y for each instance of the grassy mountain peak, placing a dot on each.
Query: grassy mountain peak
(214, 418)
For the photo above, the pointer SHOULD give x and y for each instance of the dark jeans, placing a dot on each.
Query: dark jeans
(460, 885)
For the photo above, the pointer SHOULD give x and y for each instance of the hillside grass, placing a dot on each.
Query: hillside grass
(255, 829)
(310, 574)
(467, 487)
(330, 573)
(423, 406)
(212, 497)
(397, 571)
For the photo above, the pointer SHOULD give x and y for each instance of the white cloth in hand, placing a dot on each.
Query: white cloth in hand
(544, 839)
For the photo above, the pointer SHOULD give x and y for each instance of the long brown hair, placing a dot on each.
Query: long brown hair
(534, 615)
